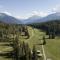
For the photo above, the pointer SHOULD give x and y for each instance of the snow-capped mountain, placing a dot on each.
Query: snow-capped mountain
(34, 19)
(54, 16)
(9, 19)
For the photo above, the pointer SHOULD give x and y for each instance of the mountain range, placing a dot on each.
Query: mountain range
(50, 17)
(34, 19)
(9, 19)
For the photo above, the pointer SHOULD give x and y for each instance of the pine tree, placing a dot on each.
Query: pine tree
(34, 56)
(27, 51)
(53, 35)
(30, 55)
(44, 41)
(16, 48)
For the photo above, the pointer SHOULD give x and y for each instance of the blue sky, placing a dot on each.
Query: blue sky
(27, 8)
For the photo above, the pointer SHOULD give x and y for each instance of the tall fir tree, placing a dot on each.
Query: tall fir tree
(34, 56)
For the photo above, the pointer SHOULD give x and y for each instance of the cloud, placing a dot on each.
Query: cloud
(27, 15)
(35, 12)
(40, 13)
(20, 17)
(56, 8)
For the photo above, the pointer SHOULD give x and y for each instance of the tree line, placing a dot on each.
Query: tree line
(52, 28)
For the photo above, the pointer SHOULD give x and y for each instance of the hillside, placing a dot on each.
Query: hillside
(38, 19)
(36, 37)
(52, 49)
(5, 18)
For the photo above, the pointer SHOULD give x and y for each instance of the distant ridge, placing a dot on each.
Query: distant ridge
(54, 16)
(9, 19)
(34, 19)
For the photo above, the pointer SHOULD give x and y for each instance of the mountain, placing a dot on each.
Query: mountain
(9, 19)
(32, 19)
(54, 16)
(38, 19)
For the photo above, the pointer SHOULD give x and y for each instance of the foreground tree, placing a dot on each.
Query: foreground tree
(34, 56)
(16, 47)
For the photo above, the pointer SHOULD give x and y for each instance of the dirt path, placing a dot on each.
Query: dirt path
(44, 55)
(43, 51)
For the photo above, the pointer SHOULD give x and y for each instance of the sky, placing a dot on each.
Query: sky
(27, 8)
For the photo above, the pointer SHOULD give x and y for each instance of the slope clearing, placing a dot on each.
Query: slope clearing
(52, 47)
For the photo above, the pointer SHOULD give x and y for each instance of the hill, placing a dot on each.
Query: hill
(9, 19)
(38, 19)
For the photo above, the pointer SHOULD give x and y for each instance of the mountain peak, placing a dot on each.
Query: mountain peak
(35, 16)
(3, 14)
(8, 19)
(38, 19)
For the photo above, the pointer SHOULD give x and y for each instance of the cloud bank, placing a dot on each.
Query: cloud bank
(34, 12)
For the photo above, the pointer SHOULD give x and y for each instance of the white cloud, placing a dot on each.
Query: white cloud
(56, 8)
(40, 13)
(20, 17)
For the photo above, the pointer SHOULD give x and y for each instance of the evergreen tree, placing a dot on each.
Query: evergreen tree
(53, 35)
(16, 47)
(44, 41)
(34, 56)
(30, 55)
(50, 35)
(27, 51)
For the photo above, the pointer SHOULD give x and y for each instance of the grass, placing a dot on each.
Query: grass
(35, 37)
(4, 49)
(52, 47)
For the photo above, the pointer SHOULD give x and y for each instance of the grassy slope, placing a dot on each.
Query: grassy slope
(52, 48)
(3, 50)
(35, 37)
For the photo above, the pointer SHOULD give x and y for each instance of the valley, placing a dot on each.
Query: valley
(51, 48)
(29, 29)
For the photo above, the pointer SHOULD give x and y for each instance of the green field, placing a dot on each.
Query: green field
(52, 47)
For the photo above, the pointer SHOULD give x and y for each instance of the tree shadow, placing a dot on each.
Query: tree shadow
(39, 44)
(6, 44)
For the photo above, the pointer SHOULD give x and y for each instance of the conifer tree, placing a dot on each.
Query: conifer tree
(34, 56)
(16, 48)
(44, 41)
